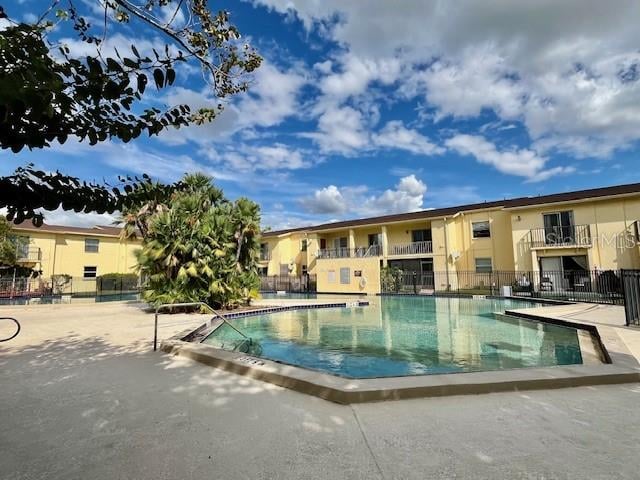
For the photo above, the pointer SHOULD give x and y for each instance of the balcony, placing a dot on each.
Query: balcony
(359, 252)
(28, 255)
(563, 236)
(265, 256)
(413, 248)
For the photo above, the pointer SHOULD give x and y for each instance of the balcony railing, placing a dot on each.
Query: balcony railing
(413, 248)
(265, 256)
(563, 236)
(26, 255)
(358, 252)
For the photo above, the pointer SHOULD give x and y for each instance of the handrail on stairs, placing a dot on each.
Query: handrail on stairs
(15, 334)
(189, 304)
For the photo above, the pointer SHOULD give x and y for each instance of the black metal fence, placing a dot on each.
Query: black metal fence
(61, 287)
(594, 286)
(289, 283)
(631, 290)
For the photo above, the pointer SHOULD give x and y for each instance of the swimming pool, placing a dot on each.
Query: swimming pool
(401, 336)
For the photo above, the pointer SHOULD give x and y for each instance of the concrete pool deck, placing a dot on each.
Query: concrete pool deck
(83, 396)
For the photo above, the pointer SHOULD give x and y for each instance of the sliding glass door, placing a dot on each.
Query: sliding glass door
(559, 228)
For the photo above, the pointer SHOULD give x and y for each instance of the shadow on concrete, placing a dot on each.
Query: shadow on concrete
(83, 408)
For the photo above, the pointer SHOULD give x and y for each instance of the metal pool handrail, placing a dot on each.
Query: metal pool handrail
(17, 331)
(190, 304)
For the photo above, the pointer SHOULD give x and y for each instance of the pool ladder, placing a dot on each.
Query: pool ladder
(195, 304)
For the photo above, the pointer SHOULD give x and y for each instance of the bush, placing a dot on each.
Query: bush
(202, 248)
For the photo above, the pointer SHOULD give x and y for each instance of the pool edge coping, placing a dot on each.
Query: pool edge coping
(616, 370)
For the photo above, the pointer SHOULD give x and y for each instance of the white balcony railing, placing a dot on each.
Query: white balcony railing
(413, 248)
(28, 255)
(358, 252)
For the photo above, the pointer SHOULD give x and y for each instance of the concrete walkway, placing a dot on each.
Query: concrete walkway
(609, 319)
(83, 397)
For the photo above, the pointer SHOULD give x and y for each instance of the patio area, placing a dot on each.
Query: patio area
(83, 396)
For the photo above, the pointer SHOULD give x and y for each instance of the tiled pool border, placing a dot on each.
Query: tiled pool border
(346, 390)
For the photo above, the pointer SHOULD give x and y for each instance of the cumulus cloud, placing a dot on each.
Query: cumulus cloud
(570, 78)
(520, 162)
(272, 98)
(341, 130)
(325, 200)
(247, 158)
(70, 218)
(396, 135)
(407, 196)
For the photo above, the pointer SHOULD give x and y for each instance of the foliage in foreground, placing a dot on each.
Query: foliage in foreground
(201, 248)
(50, 93)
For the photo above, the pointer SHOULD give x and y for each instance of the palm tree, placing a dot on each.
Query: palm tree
(201, 247)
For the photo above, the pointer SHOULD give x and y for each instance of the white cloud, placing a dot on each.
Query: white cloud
(247, 158)
(70, 218)
(396, 135)
(340, 129)
(325, 200)
(272, 97)
(479, 79)
(521, 162)
(356, 74)
(568, 71)
(407, 196)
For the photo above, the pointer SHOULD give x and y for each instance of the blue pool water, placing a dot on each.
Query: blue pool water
(399, 336)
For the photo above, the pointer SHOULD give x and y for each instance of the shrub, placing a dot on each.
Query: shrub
(202, 248)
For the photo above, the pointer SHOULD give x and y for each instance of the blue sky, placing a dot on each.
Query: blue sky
(372, 107)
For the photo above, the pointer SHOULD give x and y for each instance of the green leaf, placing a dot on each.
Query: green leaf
(158, 77)
(171, 76)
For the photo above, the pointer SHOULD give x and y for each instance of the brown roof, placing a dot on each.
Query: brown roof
(102, 230)
(447, 211)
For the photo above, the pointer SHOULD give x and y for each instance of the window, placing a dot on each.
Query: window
(90, 272)
(421, 235)
(264, 251)
(341, 242)
(483, 265)
(559, 228)
(262, 271)
(331, 276)
(22, 246)
(375, 239)
(345, 275)
(91, 245)
(481, 229)
(303, 246)
(304, 270)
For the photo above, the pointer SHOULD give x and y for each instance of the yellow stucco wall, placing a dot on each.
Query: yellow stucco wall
(64, 253)
(367, 283)
(287, 250)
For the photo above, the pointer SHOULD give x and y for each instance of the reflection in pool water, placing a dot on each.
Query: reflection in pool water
(398, 336)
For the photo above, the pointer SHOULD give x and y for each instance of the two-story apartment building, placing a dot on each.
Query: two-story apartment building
(78, 252)
(594, 229)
